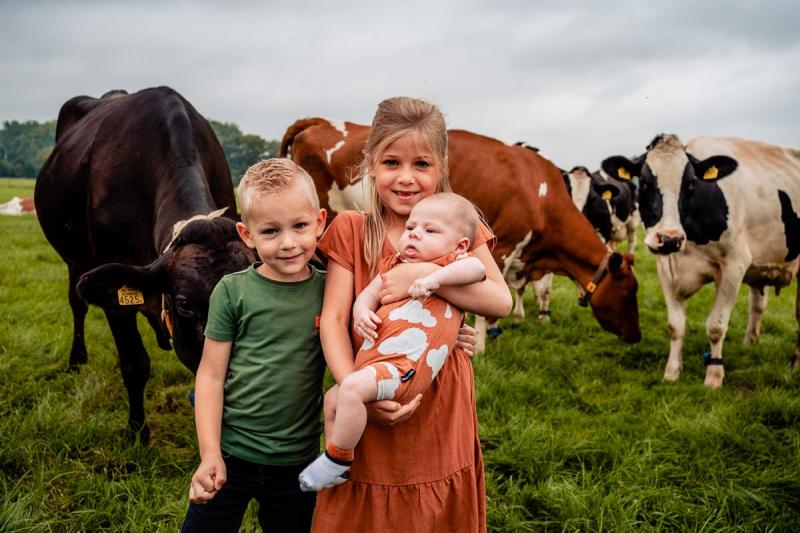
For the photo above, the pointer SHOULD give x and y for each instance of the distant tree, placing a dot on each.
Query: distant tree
(242, 150)
(24, 146)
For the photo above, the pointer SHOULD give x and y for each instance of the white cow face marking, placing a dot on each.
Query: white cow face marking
(412, 343)
(580, 183)
(660, 183)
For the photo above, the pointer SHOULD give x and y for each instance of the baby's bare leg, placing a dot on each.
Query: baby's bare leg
(329, 411)
(355, 390)
(345, 420)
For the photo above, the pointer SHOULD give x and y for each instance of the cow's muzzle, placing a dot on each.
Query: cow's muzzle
(667, 244)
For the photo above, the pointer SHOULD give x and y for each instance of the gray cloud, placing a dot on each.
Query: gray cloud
(581, 82)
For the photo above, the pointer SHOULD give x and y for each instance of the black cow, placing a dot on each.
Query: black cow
(125, 170)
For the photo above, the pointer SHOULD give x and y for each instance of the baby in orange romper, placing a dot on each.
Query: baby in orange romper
(406, 342)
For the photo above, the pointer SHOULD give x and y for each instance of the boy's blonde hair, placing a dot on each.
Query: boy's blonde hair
(395, 118)
(458, 212)
(271, 176)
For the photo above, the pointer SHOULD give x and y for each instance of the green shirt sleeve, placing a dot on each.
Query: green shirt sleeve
(221, 324)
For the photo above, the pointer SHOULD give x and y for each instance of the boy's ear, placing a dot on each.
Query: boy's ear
(463, 245)
(244, 234)
(321, 218)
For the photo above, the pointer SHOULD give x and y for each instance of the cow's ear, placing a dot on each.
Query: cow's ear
(118, 287)
(620, 167)
(714, 168)
(606, 191)
(615, 263)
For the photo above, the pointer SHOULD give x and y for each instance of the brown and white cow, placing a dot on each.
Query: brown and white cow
(126, 172)
(722, 210)
(522, 195)
(18, 206)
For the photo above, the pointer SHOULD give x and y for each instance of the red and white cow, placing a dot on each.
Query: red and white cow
(521, 194)
(18, 206)
(722, 210)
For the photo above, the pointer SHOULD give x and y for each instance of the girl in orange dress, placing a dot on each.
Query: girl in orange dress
(429, 475)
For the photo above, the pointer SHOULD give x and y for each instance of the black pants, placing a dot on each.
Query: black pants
(281, 504)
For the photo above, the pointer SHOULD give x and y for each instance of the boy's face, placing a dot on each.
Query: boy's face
(428, 234)
(283, 228)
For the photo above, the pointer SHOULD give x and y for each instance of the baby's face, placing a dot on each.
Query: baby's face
(428, 234)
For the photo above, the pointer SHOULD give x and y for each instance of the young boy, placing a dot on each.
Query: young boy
(402, 358)
(259, 384)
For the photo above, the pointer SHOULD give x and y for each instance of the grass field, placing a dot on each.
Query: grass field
(579, 431)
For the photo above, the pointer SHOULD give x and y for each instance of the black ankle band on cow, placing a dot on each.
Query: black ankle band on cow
(544, 313)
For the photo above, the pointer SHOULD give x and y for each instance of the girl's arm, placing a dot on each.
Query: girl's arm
(489, 298)
(335, 322)
(335, 336)
(209, 389)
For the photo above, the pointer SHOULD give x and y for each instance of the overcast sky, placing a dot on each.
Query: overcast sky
(580, 80)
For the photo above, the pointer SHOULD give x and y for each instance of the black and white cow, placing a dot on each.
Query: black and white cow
(624, 211)
(722, 210)
(591, 196)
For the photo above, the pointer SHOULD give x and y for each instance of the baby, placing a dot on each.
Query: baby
(406, 342)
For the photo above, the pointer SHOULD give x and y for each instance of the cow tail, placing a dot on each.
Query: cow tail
(293, 131)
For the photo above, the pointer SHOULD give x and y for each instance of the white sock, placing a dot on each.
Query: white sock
(323, 472)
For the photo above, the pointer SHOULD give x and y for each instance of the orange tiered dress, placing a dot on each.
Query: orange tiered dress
(426, 474)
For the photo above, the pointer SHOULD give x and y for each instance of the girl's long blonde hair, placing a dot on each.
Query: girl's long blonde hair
(395, 118)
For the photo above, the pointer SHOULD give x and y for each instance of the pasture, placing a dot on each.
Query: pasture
(579, 431)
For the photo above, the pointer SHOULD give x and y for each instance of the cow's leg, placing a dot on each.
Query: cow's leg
(519, 304)
(134, 363)
(796, 358)
(758, 304)
(542, 289)
(77, 354)
(631, 234)
(480, 334)
(717, 323)
(676, 317)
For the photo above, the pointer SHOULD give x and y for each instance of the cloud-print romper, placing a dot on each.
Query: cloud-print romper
(413, 341)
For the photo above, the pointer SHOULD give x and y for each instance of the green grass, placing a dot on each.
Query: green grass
(579, 431)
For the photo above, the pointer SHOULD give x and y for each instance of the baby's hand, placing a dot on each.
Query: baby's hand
(366, 322)
(423, 287)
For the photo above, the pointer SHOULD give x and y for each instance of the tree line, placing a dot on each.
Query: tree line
(24, 147)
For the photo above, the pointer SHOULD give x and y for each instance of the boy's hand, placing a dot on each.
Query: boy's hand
(366, 322)
(209, 477)
(423, 287)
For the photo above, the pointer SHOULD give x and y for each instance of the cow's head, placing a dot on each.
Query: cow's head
(614, 302)
(670, 180)
(185, 275)
(591, 197)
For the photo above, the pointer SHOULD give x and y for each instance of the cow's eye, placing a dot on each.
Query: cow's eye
(184, 306)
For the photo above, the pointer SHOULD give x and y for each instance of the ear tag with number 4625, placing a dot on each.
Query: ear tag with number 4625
(128, 296)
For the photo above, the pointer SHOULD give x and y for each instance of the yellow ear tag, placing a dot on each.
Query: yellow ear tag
(606, 195)
(711, 173)
(128, 296)
(624, 174)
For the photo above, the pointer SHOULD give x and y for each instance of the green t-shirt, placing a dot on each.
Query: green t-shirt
(273, 389)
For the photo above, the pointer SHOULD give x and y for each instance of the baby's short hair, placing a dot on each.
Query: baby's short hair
(270, 176)
(461, 213)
